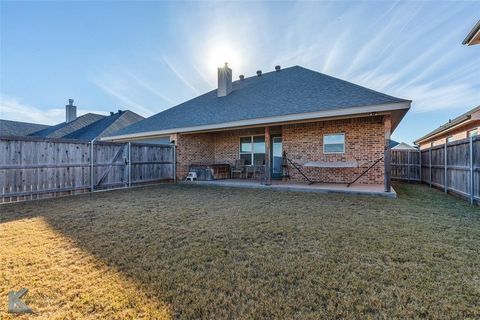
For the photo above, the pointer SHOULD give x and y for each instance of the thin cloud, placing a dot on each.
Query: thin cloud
(179, 75)
(117, 91)
(150, 87)
(13, 109)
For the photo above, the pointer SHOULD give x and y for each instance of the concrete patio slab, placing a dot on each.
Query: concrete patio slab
(362, 189)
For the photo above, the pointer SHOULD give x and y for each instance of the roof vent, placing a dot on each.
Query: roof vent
(277, 68)
(242, 77)
(259, 73)
(112, 113)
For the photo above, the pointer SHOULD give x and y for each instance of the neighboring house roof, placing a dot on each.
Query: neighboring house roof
(473, 36)
(18, 128)
(393, 143)
(90, 126)
(105, 126)
(473, 114)
(270, 97)
(62, 129)
(403, 146)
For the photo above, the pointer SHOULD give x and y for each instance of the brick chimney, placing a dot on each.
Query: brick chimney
(70, 111)
(224, 81)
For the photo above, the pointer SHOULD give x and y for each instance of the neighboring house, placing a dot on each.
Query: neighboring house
(393, 143)
(88, 126)
(404, 146)
(18, 128)
(473, 36)
(462, 127)
(333, 128)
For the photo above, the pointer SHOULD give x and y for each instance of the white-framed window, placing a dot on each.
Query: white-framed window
(334, 143)
(473, 133)
(252, 149)
(450, 139)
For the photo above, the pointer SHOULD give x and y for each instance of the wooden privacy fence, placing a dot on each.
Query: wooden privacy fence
(453, 167)
(405, 165)
(33, 168)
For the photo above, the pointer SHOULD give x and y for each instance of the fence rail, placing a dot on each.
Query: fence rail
(453, 167)
(33, 168)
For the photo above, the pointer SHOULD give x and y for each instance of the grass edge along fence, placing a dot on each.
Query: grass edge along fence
(36, 168)
(453, 167)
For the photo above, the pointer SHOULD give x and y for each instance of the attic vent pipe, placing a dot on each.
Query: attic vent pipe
(277, 68)
(242, 77)
(259, 73)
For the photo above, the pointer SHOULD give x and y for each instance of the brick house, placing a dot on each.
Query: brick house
(462, 127)
(332, 129)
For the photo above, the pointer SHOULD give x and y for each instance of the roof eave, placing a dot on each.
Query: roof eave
(473, 36)
(402, 106)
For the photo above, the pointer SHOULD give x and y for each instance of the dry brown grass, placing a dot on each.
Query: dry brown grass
(65, 282)
(201, 252)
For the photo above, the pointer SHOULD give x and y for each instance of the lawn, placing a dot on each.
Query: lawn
(192, 252)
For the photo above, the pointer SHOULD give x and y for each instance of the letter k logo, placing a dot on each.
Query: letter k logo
(15, 305)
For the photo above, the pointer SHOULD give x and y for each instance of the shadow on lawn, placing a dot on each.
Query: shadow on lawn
(226, 253)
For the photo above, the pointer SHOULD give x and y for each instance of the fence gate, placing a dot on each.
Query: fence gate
(110, 165)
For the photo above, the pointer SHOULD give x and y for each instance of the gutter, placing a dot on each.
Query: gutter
(271, 120)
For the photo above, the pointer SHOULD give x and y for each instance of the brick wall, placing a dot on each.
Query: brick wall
(193, 148)
(364, 142)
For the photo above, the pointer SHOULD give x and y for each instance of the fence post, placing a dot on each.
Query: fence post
(420, 168)
(445, 178)
(92, 186)
(430, 167)
(129, 164)
(472, 191)
(408, 166)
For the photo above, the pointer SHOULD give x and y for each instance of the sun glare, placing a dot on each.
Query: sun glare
(222, 53)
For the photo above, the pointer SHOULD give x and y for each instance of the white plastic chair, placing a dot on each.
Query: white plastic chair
(191, 176)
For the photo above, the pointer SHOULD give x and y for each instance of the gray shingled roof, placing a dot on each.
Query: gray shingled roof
(105, 126)
(62, 129)
(289, 91)
(18, 128)
(90, 126)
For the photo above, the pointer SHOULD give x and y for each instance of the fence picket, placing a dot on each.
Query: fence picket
(33, 168)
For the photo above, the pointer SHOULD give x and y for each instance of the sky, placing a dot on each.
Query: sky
(150, 56)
